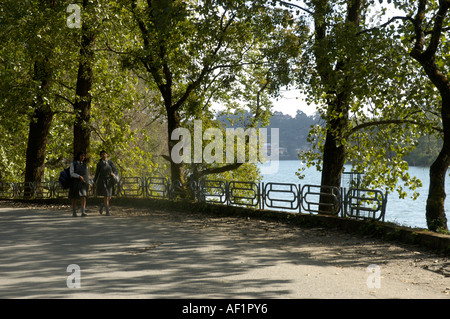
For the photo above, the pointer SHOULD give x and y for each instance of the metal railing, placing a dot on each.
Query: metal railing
(157, 187)
(213, 191)
(132, 187)
(244, 194)
(314, 199)
(365, 204)
(321, 199)
(282, 196)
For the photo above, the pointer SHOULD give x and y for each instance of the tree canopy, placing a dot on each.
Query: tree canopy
(126, 75)
(195, 53)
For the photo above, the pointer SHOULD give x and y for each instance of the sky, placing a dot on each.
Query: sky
(290, 102)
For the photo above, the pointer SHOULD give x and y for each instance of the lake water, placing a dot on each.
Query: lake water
(405, 212)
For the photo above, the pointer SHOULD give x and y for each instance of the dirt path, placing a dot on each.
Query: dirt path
(157, 254)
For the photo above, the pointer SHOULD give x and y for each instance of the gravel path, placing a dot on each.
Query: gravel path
(140, 253)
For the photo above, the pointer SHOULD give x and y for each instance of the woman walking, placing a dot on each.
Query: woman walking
(80, 179)
(105, 178)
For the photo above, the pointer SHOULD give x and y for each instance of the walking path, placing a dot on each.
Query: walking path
(156, 254)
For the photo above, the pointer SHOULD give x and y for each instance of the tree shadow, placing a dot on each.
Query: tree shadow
(148, 257)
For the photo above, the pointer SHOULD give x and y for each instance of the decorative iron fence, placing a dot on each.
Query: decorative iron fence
(214, 191)
(321, 199)
(365, 204)
(282, 196)
(352, 203)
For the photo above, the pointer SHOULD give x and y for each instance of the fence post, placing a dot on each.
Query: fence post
(145, 186)
(384, 204)
(259, 195)
(227, 193)
(262, 196)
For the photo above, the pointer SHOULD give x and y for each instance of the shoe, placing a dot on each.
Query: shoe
(74, 214)
(83, 214)
(101, 210)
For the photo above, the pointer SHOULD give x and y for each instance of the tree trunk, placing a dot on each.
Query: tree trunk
(435, 210)
(82, 105)
(39, 126)
(333, 161)
(37, 145)
(334, 154)
(173, 122)
(337, 114)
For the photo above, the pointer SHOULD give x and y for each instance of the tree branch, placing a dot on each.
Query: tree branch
(109, 48)
(393, 19)
(206, 68)
(437, 29)
(218, 170)
(258, 102)
(426, 57)
(419, 33)
(65, 99)
(71, 88)
(294, 5)
(387, 122)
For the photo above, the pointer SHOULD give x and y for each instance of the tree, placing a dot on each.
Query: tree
(195, 52)
(48, 84)
(430, 49)
(33, 62)
(104, 93)
(83, 94)
(357, 75)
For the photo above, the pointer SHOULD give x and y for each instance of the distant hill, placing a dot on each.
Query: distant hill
(293, 131)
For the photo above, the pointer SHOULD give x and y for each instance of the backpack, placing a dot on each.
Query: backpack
(64, 178)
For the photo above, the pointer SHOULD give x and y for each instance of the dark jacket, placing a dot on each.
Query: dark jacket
(103, 179)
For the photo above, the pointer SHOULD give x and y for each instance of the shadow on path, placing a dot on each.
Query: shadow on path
(148, 257)
(119, 257)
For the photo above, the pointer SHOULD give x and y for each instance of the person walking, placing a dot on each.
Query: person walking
(80, 182)
(105, 178)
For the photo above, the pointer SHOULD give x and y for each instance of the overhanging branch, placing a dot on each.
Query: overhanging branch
(218, 170)
(295, 6)
(391, 20)
(387, 122)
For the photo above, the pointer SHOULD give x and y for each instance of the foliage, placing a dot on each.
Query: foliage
(35, 48)
(366, 66)
(189, 56)
(38, 31)
(197, 53)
